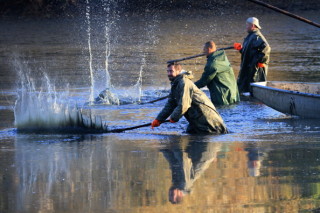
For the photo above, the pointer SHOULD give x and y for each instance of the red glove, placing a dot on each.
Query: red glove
(171, 121)
(237, 46)
(155, 123)
(260, 65)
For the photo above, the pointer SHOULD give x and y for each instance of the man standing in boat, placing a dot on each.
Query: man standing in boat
(218, 76)
(186, 99)
(255, 53)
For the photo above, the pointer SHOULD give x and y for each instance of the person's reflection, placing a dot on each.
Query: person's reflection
(188, 165)
(255, 156)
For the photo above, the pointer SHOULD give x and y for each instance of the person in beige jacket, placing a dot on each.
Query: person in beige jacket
(186, 99)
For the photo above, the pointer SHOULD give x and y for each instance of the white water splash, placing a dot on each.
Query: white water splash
(138, 86)
(148, 40)
(40, 107)
(126, 96)
(101, 82)
(108, 25)
(90, 50)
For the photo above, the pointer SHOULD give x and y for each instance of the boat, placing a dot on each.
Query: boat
(293, 98)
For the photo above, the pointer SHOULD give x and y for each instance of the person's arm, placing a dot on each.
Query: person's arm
(167, 109)
(185, 99)
(175, 159)
(209, 73)
(263, 50)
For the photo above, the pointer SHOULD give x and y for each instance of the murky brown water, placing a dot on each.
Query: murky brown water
(268, 163)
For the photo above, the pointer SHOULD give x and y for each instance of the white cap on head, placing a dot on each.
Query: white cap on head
(254, 20)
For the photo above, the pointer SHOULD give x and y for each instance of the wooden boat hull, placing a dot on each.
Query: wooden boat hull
(293, 98)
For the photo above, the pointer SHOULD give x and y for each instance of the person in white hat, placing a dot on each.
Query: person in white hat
(255, 54)
(254, 21)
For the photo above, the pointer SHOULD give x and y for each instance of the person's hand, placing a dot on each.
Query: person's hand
(155, 123)
(175, 195)
(237, 46)
(260, 65)
(171, 121)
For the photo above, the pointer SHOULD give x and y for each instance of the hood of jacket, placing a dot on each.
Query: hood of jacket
(183, 74)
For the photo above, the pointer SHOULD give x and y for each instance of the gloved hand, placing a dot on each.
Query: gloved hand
(155, 123)
(237, 46)
(260, 65)
(171, 121)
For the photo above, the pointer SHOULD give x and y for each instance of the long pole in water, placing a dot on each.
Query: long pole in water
(285, 13)
(131, 128)
(159, 99)
(195, 56)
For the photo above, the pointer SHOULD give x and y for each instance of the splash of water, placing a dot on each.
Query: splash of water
(149, 40)
(128, 96)
(40, 107)
(138, 85)
(102, 82)
(108, 24)
(110, 95)
(90, 51)
(135, 93)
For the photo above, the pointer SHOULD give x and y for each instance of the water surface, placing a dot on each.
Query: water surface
(267, 163)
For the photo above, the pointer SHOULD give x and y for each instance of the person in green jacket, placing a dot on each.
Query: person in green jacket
(186, 99)
(218, 76)
(255, 54)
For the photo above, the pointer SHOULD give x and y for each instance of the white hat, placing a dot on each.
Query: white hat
(254, 20)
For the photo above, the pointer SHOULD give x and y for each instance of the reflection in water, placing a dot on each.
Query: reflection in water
(109, 173)
(50, 176)
(188, 165)
(255, 157)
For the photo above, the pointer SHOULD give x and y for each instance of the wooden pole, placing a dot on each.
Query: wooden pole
(195, 56)
(131, 128)
(285, 12)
